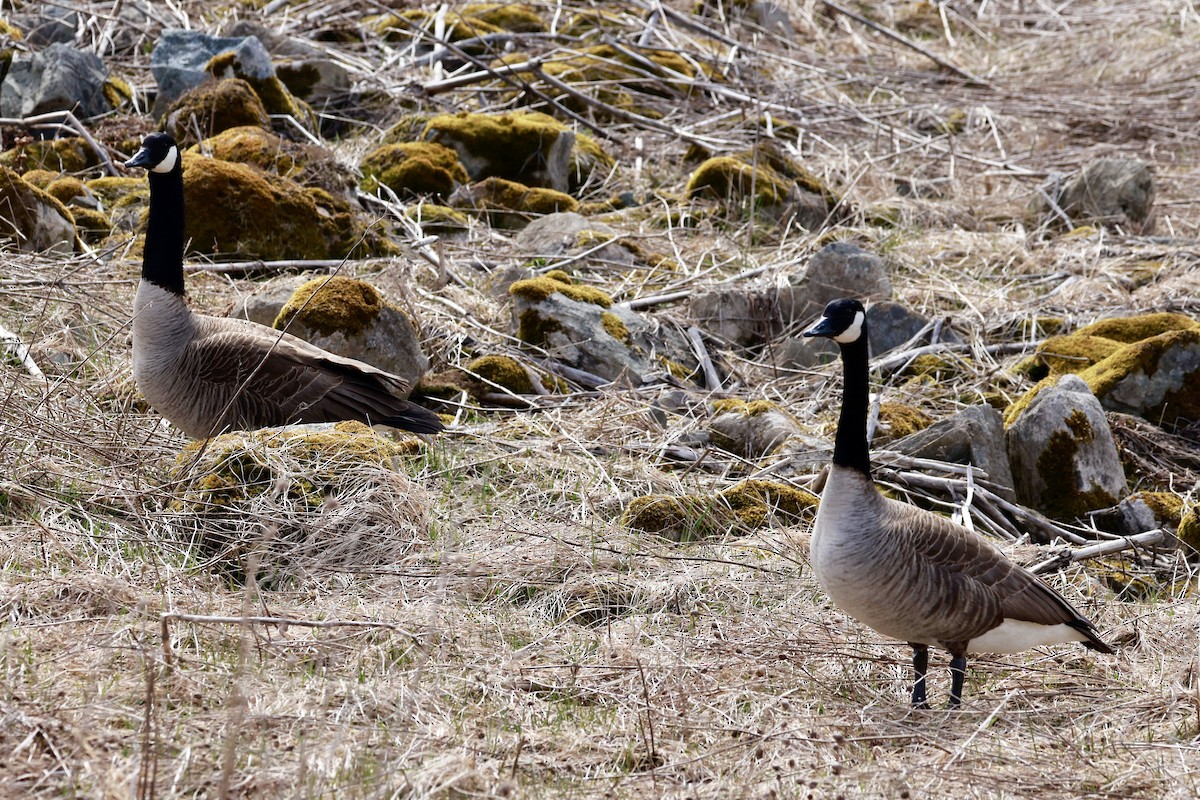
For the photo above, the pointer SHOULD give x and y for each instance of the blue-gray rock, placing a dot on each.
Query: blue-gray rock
(48, 25)
(890, 325)
(1108, 191)
(1063, 455)
(840, 269)
(179, 59)
(973, 436)
(59, 78)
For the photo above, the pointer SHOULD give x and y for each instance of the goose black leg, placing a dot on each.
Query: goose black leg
(920, 665)
(958, 671)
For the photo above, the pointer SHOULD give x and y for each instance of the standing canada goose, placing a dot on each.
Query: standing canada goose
(208, 374)
(909, 573)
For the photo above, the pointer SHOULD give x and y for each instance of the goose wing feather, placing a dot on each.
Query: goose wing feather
(966, 575)
(288, 380)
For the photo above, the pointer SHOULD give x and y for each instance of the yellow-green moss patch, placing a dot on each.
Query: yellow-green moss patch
(413, 168)
(510, 204)
(682, 519)
(66, 189)
(1060, 355)
(755, 502)
(747, 408)
(504, 371)
(457, 26)
(1134, 329)
(541, 287)
(333, 304)
(898, 420)
(1107, 376)
(90, 224)
(116, 192)
(69, 154)
(41, 178)
(614, 327)
(217, 106)
(1189, 533)
(250, 144)
(515, 17)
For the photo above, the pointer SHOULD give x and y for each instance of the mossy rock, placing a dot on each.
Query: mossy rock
(680, 519)
(117, 92)
(1156, 378)
(31, 218)
(116, 192)
(217, 106)
(408, 128)
(250, 144)
(413, 169)
(234, 209)
(541, 287)
(754, 503)
(68, 154)
(41, 178)
(274, 95)
(401, 27)
(527, 147)
(91, 225)
(434, 218)
(898, 420)
(730, 178)
(507, 204)
(1060, 355)
(1189, 534)
(515, 17)
(503, 371)
(747, 408)
(334, 304)
(1134, 329)
(66, 189)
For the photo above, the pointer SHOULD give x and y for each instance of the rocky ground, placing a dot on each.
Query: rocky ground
(589, 233)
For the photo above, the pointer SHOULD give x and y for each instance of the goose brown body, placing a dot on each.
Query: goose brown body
(207, 374)
(909, 573)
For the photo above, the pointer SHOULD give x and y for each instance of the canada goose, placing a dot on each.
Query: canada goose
(909, 573)
(207, 374)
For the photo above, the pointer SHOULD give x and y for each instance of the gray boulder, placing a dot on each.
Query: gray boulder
(745, 317)
(180, 57)
(556, 234)
(1109, 191)
(31, 219)
(973, 436)
(584, 330)
(840, 269)
(1064, 459)
(59, 78)
(351, 318)
(753, 429)
(268, 299)
(890, 325)
(47, 25)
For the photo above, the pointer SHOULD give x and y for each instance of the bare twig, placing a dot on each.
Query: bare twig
(1068, 555)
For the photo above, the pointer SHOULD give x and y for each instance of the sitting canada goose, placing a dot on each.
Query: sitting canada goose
(909, 573)
(207, 374)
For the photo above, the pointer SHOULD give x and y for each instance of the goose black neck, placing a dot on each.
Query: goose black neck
(850, 445)
(162, 260)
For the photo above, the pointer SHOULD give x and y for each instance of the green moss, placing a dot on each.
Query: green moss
(20, 205)
(250, 144)
(751, 408)
(514, 146)
(681, 519)
(508, 204)
(730, 178)
(1062, 498)
(533, 328)
(1122, 577)
(676, 369)
(1072, 353)
(41, 178)
(10, 30)
(333, 304)
(236, 209)
(216, 106)
(117, 192)
(899, 420)
(68, 154)
(409, 128)
(1167, 507)
(436, 218)
(66, 189)
(515, 17)
(91, 225)
(504, 371)
(1189, 534)
(1143, 358)
(541, 287)
(458, 26)
(117, 92)
(271, 91)
(413, 168)
(755, 502)
(1135, 329)
(615, 328)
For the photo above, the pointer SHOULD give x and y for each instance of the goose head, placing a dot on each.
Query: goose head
(158, 153)
(843, 321)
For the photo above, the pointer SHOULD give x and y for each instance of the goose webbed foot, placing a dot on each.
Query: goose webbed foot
(958, 671)
(920, 665)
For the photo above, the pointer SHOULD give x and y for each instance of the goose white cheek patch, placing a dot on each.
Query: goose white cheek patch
(852, 333)
(168, 162)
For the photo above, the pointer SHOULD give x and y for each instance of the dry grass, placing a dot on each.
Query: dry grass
(523, 644)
